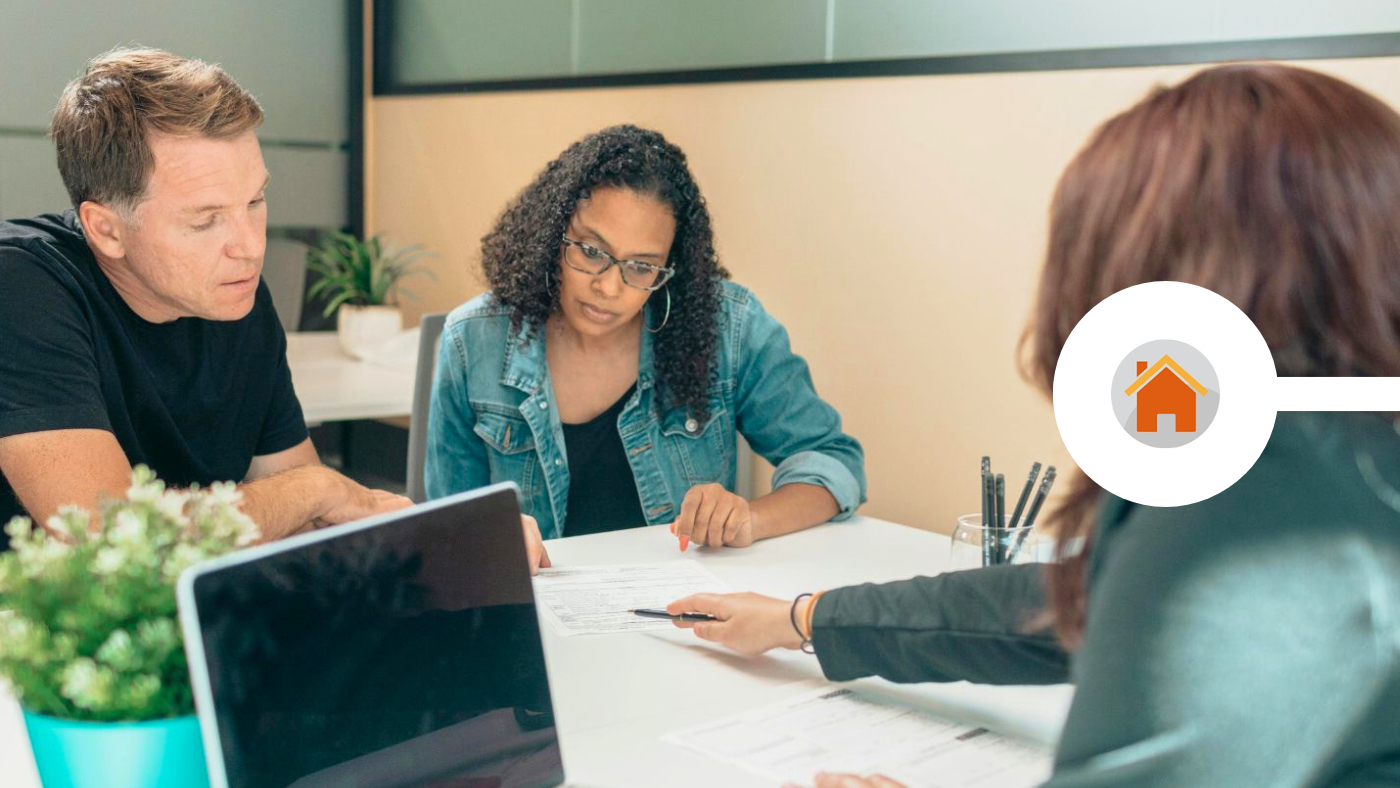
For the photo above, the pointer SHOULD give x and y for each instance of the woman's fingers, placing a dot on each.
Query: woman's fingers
(716, 605)
(731, 525)
(703, 531)
(713, 631)
(748, 623)
(711, 515)
(825, 780)
(534, 544)
(724, 510)
(685, 521)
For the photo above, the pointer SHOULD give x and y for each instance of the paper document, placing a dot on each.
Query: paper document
(598, 599)
(833, 729)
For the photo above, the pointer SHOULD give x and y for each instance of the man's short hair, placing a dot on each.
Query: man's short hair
(106, 117)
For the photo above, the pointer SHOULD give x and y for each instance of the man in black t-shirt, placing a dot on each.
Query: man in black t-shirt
(136, 328)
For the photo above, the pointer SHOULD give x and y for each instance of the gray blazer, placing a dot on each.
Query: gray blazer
(1252, 639)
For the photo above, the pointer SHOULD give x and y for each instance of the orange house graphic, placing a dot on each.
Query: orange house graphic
(1159, 394)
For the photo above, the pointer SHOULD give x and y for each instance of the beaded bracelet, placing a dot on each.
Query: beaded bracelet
(806, 646)
(811, 614)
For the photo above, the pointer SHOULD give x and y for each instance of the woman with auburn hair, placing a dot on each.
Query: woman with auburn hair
(1252, 638)
(611, 366)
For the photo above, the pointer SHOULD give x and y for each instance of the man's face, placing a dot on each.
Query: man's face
(197, 241)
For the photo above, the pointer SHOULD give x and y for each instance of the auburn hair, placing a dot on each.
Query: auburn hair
(1273, 186)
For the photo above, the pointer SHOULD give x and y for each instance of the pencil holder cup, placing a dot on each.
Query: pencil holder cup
(974, 547)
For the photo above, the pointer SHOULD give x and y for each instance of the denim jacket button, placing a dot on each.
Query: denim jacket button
(558, 461)
(691, 425)
(544, 404)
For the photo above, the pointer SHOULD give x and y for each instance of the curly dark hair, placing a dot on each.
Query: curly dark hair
(520, 256)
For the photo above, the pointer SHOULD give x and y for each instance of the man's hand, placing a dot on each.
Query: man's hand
(748, 623)
(711, 515)
(288, 502)
(534, 545)
(354, 501)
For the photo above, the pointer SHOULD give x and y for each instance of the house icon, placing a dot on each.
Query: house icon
(1161, 393)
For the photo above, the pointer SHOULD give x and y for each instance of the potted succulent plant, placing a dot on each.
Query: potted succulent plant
(89, 637)
(361, 280)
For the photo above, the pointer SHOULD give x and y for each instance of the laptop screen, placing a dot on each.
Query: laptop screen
(404, 654)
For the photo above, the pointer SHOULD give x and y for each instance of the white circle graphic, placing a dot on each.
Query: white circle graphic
(1092, 432)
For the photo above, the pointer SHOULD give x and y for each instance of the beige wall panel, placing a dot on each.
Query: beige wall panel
(894, 225)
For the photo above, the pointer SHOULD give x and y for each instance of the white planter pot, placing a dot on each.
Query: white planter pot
(362, 328)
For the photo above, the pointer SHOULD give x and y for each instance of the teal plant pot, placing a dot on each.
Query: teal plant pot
(156, 754)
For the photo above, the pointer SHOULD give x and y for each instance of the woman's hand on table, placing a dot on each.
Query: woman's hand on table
(534, 544)
(851, 781)
(748, 623)
(713, 516)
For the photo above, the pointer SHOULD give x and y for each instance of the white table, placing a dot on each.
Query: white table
(16, 759)
(334, 386)
(615, 695)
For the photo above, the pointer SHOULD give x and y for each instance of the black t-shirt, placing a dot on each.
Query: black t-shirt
(602, 490)
(193, 399)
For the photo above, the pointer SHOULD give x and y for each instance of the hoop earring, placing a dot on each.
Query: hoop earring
(657, 330)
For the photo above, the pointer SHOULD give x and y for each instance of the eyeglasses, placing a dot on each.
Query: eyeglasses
(593, 261)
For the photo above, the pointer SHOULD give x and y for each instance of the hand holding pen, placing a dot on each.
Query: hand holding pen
(747, 623)
(684, 616)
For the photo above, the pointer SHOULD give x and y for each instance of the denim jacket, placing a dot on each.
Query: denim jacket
(493, 417)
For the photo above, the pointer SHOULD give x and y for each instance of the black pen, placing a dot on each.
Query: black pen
(650, 613)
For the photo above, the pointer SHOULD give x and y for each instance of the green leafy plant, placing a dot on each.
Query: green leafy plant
(88, 627)
(361, 273)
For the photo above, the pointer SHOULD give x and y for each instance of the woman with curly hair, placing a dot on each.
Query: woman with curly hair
(610, 366)
(1251, 638)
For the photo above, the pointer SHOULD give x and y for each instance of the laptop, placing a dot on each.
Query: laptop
(401, 651)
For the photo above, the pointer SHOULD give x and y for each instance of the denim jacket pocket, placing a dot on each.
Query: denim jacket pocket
(704, 451)
(510, 449)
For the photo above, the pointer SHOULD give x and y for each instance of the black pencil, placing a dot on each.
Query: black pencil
(1025, 496)
(999, 518)
(1035, 510)
(986, 513)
